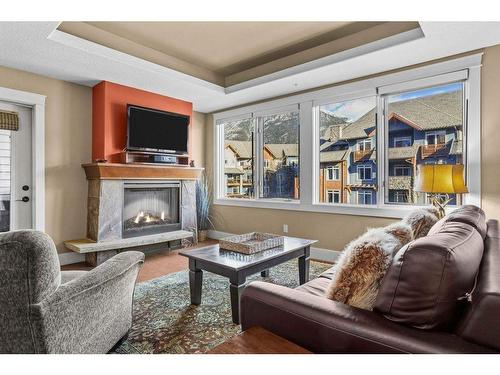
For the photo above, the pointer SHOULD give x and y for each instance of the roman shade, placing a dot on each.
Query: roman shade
(9, 120)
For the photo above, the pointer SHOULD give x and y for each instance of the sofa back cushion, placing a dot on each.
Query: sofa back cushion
(468, 214)
(428, 277)
(481, 323)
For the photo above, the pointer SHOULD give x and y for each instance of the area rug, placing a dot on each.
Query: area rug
(165, 322)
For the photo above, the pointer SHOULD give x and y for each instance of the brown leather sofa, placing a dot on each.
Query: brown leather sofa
(305, 317)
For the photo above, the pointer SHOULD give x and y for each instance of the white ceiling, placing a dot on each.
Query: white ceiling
(39, 48)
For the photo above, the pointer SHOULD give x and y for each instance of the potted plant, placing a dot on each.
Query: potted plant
(203, 202)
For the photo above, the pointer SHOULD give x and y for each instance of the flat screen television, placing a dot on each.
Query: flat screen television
(154, 130)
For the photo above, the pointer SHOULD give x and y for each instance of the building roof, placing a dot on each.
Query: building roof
(333, 156)
(286, 149)
(243, 149)
(425, 113)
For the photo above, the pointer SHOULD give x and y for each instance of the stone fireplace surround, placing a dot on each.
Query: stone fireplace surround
(105, 207)
(106, 182)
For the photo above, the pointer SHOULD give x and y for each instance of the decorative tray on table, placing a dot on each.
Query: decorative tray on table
(251, 243)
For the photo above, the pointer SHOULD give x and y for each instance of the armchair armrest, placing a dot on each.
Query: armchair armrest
(97, 277)
(324, 326)
(90, 313)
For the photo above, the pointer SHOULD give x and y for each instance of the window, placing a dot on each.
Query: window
(402, 142)
(435, 116)
(364, 172)
(435, 138)
(353, 148)
(400, 196)
(364, 197)
(333, 173)
(238, 156)
(280, 152)
(365, 145)
(347, 136)
(401, 170)
(333, 196)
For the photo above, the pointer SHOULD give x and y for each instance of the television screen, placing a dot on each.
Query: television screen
(154, 130)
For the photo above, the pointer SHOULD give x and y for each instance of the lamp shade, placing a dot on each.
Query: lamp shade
(440, 178)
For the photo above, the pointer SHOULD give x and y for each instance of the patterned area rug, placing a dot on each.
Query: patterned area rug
(165, 322)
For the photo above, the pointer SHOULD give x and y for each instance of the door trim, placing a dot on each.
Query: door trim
(37, 104)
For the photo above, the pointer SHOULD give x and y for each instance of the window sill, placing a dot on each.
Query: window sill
(387, 211)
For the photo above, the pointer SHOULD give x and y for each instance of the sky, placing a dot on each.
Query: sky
(354, 109)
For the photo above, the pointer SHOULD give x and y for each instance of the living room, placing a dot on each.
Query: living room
(224, 185)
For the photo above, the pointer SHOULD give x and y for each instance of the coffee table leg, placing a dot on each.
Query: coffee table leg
(195, 282)
(236, 286)
(304, 266)
(264, 273)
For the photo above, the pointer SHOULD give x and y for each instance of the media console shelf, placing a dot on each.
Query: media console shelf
(145, 157)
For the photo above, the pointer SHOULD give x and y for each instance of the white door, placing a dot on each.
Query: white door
(16, 172)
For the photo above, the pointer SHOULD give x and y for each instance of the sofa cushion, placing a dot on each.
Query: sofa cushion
(428, 276)
(316, 287)
(363, 263)
(468, 214)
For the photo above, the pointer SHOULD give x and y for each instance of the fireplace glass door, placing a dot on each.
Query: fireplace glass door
(150, 208)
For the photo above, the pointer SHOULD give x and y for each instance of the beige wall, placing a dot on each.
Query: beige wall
(490, 122)
(334, 231)
(68, 144)
(198, 134)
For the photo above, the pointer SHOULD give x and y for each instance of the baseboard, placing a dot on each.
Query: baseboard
(317, 253)
(70, 258)
(217, 235)
(324, 255)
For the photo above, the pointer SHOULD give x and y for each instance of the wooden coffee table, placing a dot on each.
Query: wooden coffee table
(237, 267)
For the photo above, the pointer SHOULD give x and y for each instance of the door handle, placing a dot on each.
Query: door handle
(23, 199)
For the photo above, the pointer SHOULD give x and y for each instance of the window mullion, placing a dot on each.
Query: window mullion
(382, 145)
(259, 160)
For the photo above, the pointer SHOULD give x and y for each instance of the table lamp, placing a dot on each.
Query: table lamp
(438, 179)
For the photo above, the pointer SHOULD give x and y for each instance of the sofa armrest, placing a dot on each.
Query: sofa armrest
(88, 314)
(324, 326)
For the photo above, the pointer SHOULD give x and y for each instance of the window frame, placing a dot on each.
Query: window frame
(405, 167)
(365, 193)
(364, 167)
(333, 192)
(335, 169)
(308, 104)
(404, 137)
(436, 134)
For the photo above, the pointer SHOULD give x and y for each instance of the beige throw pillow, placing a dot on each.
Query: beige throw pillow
(421, 221)
(364, 262)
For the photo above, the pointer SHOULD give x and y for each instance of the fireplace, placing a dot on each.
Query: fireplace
(150, 208)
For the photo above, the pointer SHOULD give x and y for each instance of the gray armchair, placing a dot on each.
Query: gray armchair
(44, 310)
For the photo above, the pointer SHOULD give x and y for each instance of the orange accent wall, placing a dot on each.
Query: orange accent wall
(109, 116)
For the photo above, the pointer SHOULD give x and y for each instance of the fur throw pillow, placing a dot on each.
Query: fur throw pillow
(364, 262)
(421, 221)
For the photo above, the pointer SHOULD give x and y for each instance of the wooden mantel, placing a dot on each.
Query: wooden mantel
(116, 171)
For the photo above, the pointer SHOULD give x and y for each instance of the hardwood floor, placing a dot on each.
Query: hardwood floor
(155, 265)
(257, 340)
